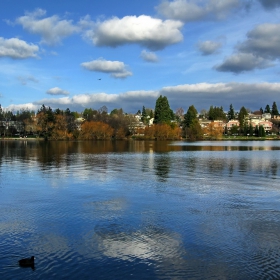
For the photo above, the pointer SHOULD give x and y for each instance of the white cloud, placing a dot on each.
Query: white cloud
(197, 88)
(17, 49)
(209, 47)
(202, 95)
(117, 69)
(28, 106)
(194, 10)
(57, 91)
(154, 34)
(149, 56)
(51, 29)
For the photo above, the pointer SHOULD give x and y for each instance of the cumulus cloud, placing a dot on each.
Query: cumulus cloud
(149, 56)
(242, 62)
(117, 69)
(263, 40)
(209, 47)
(193, 10)
(28, 106)
(17, 49)
(270, 4)
(51, 29)
(154, 34)
(97, 100)
(202, 95)
(57, 91)
(258, 51)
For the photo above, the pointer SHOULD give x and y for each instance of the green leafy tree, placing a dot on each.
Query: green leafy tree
(274, 109)
(231, 114)
(89, 114)
(234, 130)
(118, 112)
(163, 113)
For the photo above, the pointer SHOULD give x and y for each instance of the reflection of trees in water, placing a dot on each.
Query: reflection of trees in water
(274, 168)
(162, 166)
(231, 167)
(244, 165)
(191, 165)
(216, 165)
(156, 155)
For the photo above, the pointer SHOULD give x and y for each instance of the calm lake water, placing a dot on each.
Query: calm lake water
(140, 210)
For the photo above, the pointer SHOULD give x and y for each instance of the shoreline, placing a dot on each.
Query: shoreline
(21, 139)
(135, 139)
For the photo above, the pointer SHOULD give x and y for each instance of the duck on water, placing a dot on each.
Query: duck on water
(28, 262)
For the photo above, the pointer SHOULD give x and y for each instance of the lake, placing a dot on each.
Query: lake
(140, 209)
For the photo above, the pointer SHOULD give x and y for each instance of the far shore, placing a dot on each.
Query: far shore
(231, 138)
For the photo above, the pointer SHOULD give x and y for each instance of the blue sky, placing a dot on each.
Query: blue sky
(124, 54)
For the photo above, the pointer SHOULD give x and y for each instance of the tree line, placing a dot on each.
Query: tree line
(98, 124)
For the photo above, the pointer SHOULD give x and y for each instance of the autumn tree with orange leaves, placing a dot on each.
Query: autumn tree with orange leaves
(60, 128)
(213, 131)
(96, 131)
(161, 132)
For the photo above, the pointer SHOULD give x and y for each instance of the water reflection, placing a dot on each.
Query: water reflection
(141, 210)
(147, 245)
(162, 166)
(62, 154)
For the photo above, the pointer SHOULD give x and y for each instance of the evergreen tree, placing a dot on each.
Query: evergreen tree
(163, 113)
(226, 130)
(274, 110)
(144, 115)
(1, 110)
(216, 113)
(231, 114)
(256, 131)
(245, 130)
(189, 116)
(194, 131)
(261, 131)
(251, 130)
(242, 117)
(261, 110)
(267, 109)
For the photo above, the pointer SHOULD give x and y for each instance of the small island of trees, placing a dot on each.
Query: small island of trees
(160, 123)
